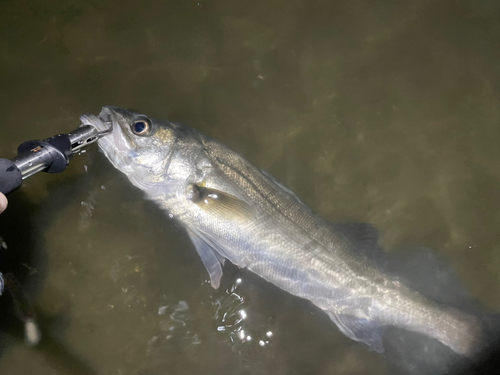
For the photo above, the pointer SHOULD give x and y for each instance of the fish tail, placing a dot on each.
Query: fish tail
(461, 332)
(438, 304)
(443, 341)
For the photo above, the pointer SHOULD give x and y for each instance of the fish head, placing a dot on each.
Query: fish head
(139, 146)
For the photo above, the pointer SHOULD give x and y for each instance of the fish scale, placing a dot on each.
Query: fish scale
(280, 238)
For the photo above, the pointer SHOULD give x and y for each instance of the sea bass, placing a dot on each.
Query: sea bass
(233, 210)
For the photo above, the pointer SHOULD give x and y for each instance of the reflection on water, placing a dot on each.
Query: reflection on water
(234, 320)
(174, 328)
(383, 112)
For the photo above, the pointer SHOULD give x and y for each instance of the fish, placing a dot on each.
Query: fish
(232, 210)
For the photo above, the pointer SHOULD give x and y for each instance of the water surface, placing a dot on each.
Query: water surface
(386, 113)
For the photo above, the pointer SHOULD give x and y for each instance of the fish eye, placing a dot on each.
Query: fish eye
(141, 126)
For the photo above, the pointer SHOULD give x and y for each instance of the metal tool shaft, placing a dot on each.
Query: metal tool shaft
(51, 155)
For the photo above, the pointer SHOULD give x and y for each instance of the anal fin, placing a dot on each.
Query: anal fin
(359, 329)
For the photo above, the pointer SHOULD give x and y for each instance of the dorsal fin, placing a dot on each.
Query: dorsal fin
(362, 234)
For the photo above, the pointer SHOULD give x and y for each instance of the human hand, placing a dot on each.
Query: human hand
(3, 203)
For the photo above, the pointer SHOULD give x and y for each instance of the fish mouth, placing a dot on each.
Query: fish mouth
(116, 144)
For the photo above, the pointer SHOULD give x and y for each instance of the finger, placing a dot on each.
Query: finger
(3, 202)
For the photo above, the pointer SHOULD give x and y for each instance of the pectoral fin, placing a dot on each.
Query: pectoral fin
(220, 204)
(210, 258)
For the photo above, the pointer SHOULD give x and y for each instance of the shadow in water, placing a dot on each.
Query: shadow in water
(25, 257)
(16, 229)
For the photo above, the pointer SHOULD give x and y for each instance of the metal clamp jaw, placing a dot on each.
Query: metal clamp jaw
(50, 155)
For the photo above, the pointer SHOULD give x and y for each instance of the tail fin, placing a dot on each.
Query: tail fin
(471, 347)
(457, 340)
(488, 359)
(461, 332)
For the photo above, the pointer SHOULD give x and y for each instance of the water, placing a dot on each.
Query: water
(386, 113)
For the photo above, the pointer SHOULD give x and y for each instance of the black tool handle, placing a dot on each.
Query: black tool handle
(50, 155)
(10, 176)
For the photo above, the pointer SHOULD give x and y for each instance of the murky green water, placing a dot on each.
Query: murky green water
(386, 113)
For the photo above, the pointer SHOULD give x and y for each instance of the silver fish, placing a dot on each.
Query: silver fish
(233, 210)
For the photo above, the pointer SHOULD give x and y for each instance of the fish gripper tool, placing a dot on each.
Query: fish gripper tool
(50, 155)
